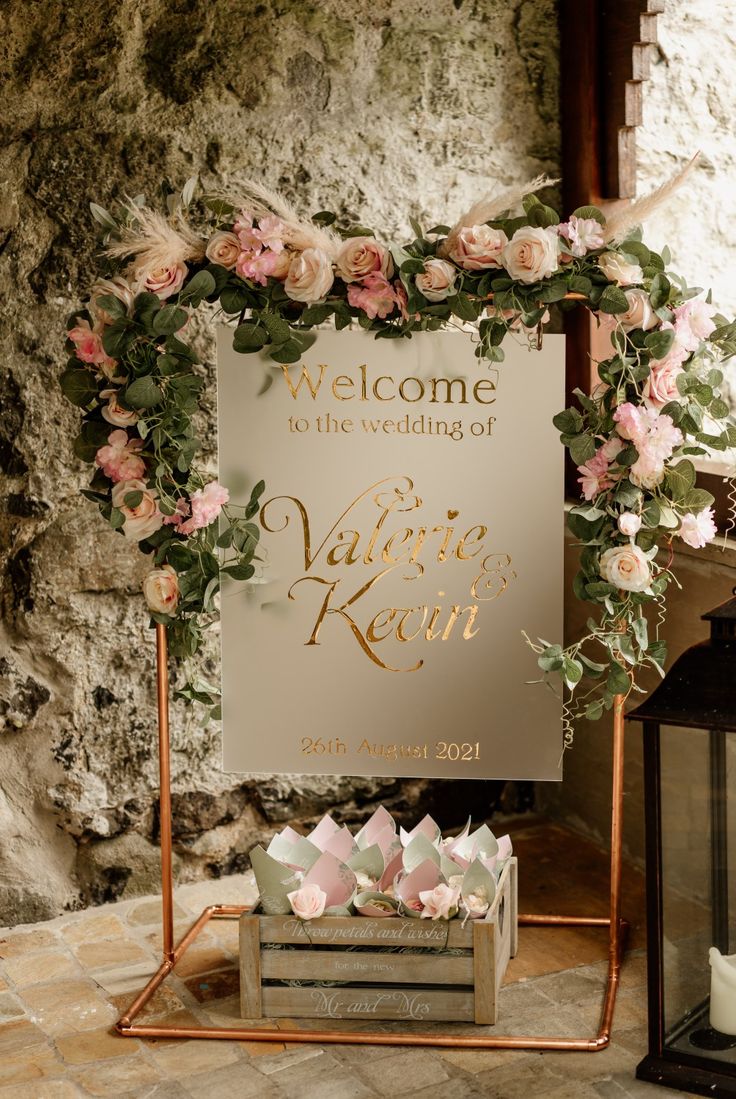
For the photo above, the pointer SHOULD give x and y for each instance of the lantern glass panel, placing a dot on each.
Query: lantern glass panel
(697, 768)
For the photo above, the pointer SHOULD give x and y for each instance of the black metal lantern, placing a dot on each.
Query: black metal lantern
(689, 767)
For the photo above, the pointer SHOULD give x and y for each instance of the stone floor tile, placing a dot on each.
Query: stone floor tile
(458, 1087)
(418, 1068)
(38, 1063)
(300, 1056)
(236, 889)
(475, 1061)
(94, 1045)
(67, 1007)
(30, 969)
(163, 1003)
(24, 942)
(10, 1006)
(570, 987)
(533, 1080)
(21, 1036)
(339, 1083)
(262, 1049)
(188, 1058)
(155, 938)
(238, 1081)
(226, 932)
(115, 1078)
(215, 986)
(90, 928)
(149, 912)
(48, 1089)
(126, 978)
(98, 955)
(203, 958)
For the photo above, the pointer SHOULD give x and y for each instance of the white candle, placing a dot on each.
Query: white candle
(722, 991)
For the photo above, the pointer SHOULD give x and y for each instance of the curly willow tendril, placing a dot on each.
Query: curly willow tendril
(276, 275)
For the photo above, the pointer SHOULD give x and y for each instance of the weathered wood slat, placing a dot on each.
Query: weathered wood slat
(362, 931)
(359, 966)
(484, 959)
(250, 968)
(404, 1004)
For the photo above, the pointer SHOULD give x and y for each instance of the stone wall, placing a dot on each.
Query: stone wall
(386, 108)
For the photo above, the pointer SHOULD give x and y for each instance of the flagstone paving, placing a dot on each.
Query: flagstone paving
(64, 983)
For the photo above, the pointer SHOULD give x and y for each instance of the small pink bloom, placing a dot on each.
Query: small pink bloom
(629, 523)
(308, 903)
(182, 512)
(584, 234)
(88, 346)
(119, 460)
(439, 903)
(206, 504)
(271, 232)
(375, 296)
(595, 477)
(693, 322)
(698, 530)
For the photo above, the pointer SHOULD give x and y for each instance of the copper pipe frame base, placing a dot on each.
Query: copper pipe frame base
(128, 1028)
(617, 930)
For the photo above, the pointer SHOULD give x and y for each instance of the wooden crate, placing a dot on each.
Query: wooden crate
(456, 977)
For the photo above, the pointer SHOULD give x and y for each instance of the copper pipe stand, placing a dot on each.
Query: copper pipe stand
(127, 1027)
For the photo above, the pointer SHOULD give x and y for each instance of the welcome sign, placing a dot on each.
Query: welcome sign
(412, 527)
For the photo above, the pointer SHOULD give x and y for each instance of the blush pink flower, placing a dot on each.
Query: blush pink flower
(260, 266)
(206, 505)
(375, 296)
(584, 235)
(661, 386)
(694, 322)
(698, 530)
(182, 512)
(119, 460)
(88, 345)
(439, 903)
(308, 903)
(271, 231)
(595, 477)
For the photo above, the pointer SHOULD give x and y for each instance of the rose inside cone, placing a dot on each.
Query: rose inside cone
(381, 871)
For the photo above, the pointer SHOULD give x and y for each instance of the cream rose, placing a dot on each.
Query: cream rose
(531, 254)
(478, 247)
(162, 281)
(640, 313)
(223, 249)
(114, 413)
(617, 270)
(310, 276)
(161, 590)
(308, 902)
(626, 567)
(439, 903)
(117, 287)
(629, 523)
(437, 281)
(360, 256)
(145, 518)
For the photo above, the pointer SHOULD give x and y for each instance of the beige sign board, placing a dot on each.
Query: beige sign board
(412, 528)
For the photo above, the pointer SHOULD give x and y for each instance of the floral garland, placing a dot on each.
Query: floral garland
(278, 276)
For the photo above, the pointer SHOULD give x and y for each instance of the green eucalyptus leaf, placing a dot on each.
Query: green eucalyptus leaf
(143, 393)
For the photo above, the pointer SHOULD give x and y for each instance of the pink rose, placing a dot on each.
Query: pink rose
(629, 523)
(698, 530)
(595, 477)
(437, 282)
(375, 296)
(439, 903)
(88, 346)
(223, 249)
(693, 323)
(661, 386)
(161, 590)
(206, 505)
(310, 276)
(361, 256)
(119, 460)
(626, 567)
(142, 520)
(162, 281)
(478, 247)
(308, 903)
(583, 234)
(532, 253)
(114, 412)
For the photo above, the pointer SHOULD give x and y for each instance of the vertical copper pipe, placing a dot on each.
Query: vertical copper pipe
(617, 818)
(164, 764)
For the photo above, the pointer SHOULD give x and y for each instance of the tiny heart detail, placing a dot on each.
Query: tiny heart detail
(453, 514)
